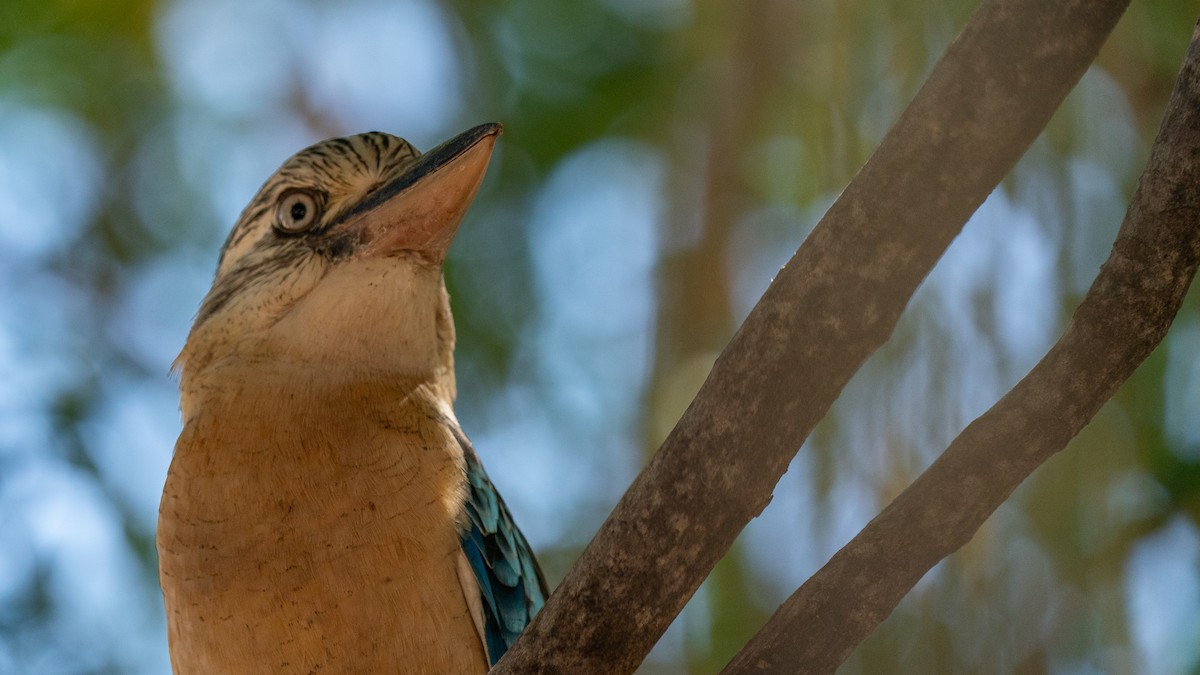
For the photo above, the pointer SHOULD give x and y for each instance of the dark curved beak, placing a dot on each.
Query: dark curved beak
(421, 209)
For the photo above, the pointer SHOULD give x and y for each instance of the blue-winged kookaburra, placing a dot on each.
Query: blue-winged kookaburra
(324, 512)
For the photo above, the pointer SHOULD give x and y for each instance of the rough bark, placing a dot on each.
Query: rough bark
(835, 302)
(1122, 319)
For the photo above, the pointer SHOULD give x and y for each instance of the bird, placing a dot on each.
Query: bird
(323, 511)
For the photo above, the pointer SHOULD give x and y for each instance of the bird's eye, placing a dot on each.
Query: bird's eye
(298, 210)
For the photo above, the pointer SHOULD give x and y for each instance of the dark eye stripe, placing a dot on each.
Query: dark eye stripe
(330, 167)
(268, 257)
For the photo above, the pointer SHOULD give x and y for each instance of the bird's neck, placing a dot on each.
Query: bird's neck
(287, 388)
(369, 323)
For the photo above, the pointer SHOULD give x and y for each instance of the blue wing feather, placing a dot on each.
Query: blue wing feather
(510, 582)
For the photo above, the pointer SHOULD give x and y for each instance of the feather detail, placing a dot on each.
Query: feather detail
(509, 580)
(472, 594)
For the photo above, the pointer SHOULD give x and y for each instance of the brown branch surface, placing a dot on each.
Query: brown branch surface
(835, 302)
(1122, 319)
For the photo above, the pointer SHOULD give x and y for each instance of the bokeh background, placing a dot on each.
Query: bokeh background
(662, 158)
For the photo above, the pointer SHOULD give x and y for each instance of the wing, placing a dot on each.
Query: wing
(509, 578)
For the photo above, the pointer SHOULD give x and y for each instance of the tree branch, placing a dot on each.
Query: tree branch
(1122, 319)
(834, 304)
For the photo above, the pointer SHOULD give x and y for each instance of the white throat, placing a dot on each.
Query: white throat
(369, 315)
(378, 319)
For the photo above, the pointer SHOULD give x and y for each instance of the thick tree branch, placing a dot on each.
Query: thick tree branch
(825, 313)
(1122, 319)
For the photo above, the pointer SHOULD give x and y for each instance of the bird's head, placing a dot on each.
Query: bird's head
(335, 266)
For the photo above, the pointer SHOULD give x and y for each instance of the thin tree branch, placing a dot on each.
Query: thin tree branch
(826, 312)
(1122, 319)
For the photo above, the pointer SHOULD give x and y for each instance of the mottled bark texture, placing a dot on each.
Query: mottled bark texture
(1122, 319)
(834, 304)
